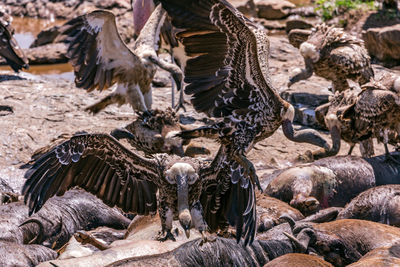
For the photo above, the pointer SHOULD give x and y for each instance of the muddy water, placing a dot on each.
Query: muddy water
(26, 30)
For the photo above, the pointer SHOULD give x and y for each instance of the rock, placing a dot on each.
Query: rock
(383, 43)
(46, 54)
(304, 11)
(247, 7)
(298, 22)
(271, 24)
(273, 9)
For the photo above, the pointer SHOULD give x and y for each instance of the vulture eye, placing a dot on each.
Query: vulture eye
(170, 177)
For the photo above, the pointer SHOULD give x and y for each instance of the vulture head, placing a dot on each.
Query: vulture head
(183, 175)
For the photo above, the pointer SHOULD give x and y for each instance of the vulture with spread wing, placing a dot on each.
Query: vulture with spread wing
(333, 54)
(141, 12)
(227, 76)
(9, 48)
(206, 196)
(100, 58)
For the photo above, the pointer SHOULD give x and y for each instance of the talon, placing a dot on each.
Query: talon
(167, 236)
(206, 237)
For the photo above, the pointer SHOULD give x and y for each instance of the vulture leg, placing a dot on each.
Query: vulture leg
(176, 73)
(367, 148)
(385, 143)
(304, 74)
(86, 238)
(106, 101)
(351, 149)
(249, 169)
(166, 216)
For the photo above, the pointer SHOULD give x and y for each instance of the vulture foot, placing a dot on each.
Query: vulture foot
(206, 237)
(181, 102)
(168, 236)
(94, 109)
(86, 238)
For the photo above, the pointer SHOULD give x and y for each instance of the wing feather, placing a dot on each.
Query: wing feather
(99, 164)
(10, 50)
(228, 57)
(99, 56)
(229, 197)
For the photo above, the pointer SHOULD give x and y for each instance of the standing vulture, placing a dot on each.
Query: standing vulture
(227, 76)
(376, 110)
(9, 48)
(332, 54)
(100, 58)
(206, 196)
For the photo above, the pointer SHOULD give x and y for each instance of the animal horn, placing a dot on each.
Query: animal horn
(39, 236)
(287, 218)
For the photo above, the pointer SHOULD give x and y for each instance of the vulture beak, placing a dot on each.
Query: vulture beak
(185, 219)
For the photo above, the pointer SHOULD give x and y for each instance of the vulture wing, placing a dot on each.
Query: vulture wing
(99, 164)
(353, 59)
(96, 51)
(229, 197)
(227, 69)
(10, 50)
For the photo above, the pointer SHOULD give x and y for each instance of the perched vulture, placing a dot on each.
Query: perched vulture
(100, 58)
(9, 48)
(227, 76)
(206, 196)
(333, 54)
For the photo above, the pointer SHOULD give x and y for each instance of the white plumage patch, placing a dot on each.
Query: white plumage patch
(308, 50)
(396, 85)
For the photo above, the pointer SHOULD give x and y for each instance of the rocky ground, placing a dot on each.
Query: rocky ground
(36, 109)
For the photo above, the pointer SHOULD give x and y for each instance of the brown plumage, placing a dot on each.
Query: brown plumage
(141, 11)
(9, 48)
(100, 58)
(335, 55)
(376, 111)
(227, 75)
(329, 115)
(359, 116)
(186, 187)
(155, 133)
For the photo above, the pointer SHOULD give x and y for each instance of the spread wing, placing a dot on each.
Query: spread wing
(96, 51)
(99, 164)
(9, 48)
(227, 69)
(353, 59)
(229, 197)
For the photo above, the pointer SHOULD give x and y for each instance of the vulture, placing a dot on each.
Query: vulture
(227, 76)
(376, 110)
(328, 115)
(155, 133)
(333, 54)
(100, 58)
(9, 48)
(141, 12)
(207, 196)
